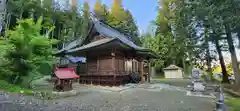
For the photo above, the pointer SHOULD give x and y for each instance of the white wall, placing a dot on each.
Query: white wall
(173, 74)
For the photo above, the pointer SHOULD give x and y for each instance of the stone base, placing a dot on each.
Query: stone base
(200, 94)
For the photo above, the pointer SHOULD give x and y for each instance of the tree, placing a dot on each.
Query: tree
(117, 11)
(29, 49)
(68, 21)
(123, 21)
(101, 11)
(131, 29)
(86, 15)
(117, 16)
(165, 25)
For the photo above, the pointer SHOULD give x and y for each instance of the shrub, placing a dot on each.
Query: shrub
(4, 85)
(25, 50)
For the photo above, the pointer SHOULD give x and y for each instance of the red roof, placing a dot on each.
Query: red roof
(65, 73)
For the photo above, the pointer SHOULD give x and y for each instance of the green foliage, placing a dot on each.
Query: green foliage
(117, 11)
(4, 72)
(101, 11)
(29, 49)
(123, 21)
(68, 22)
(162, 46)
(86, 15)
(13, 88)
(233, 103)
(167, 42)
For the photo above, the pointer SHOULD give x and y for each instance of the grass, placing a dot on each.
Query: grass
(159, 76)
(5, 86)
(232, 103)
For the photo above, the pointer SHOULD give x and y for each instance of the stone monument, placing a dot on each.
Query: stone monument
(198, 86)
(197, 82)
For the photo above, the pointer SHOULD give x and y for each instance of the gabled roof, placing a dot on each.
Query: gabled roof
(70, 45)
(92, 44)
(77, 42)
(65, 73)
(172, 67)
(110, 32)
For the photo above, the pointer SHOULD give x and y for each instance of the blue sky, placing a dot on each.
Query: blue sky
(144, 11)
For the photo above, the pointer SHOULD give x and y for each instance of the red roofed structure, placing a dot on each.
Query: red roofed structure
(66, 73)
(64, 77)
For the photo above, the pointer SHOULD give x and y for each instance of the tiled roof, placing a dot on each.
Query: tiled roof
(65, 73)
(108, 31)
(70, 45)
(92, 44)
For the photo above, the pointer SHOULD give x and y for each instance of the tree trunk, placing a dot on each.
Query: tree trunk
(191, 66)
(21, 13)
(184, 65)
(221, 60)
(238, 34)
(9, 16)
(233, 54)
(209, 66)
(16, 79)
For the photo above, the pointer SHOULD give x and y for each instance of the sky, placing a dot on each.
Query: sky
(143, 11)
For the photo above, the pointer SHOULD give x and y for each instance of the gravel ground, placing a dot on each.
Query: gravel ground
(142, 98)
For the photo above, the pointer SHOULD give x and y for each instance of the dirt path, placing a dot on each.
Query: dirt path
(144, 98)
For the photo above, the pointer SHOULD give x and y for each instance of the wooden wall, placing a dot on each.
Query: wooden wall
(99, 64)
(108, 67)
(95, 38)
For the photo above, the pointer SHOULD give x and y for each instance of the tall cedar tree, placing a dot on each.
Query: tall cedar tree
(131, 28)
(123, 21)
(117, 10)
(117, 16)
(86, 16)
(100, 11)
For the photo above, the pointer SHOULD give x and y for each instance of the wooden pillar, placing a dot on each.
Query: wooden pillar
(98, 63)
(149, 71)
(132, 60)
(87, 63)
(113, 62)
(124, 64)
(113, 67)
(141, 70)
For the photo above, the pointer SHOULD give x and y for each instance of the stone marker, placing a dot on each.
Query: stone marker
(198, 88)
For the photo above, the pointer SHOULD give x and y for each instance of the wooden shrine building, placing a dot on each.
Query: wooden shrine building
(110, 56)
(63, 78)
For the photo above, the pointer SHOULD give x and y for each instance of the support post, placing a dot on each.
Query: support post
(113, 67)
(149, 71)
(141, 70)
(98, 63)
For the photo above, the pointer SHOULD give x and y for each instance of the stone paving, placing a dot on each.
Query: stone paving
(144, 97)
